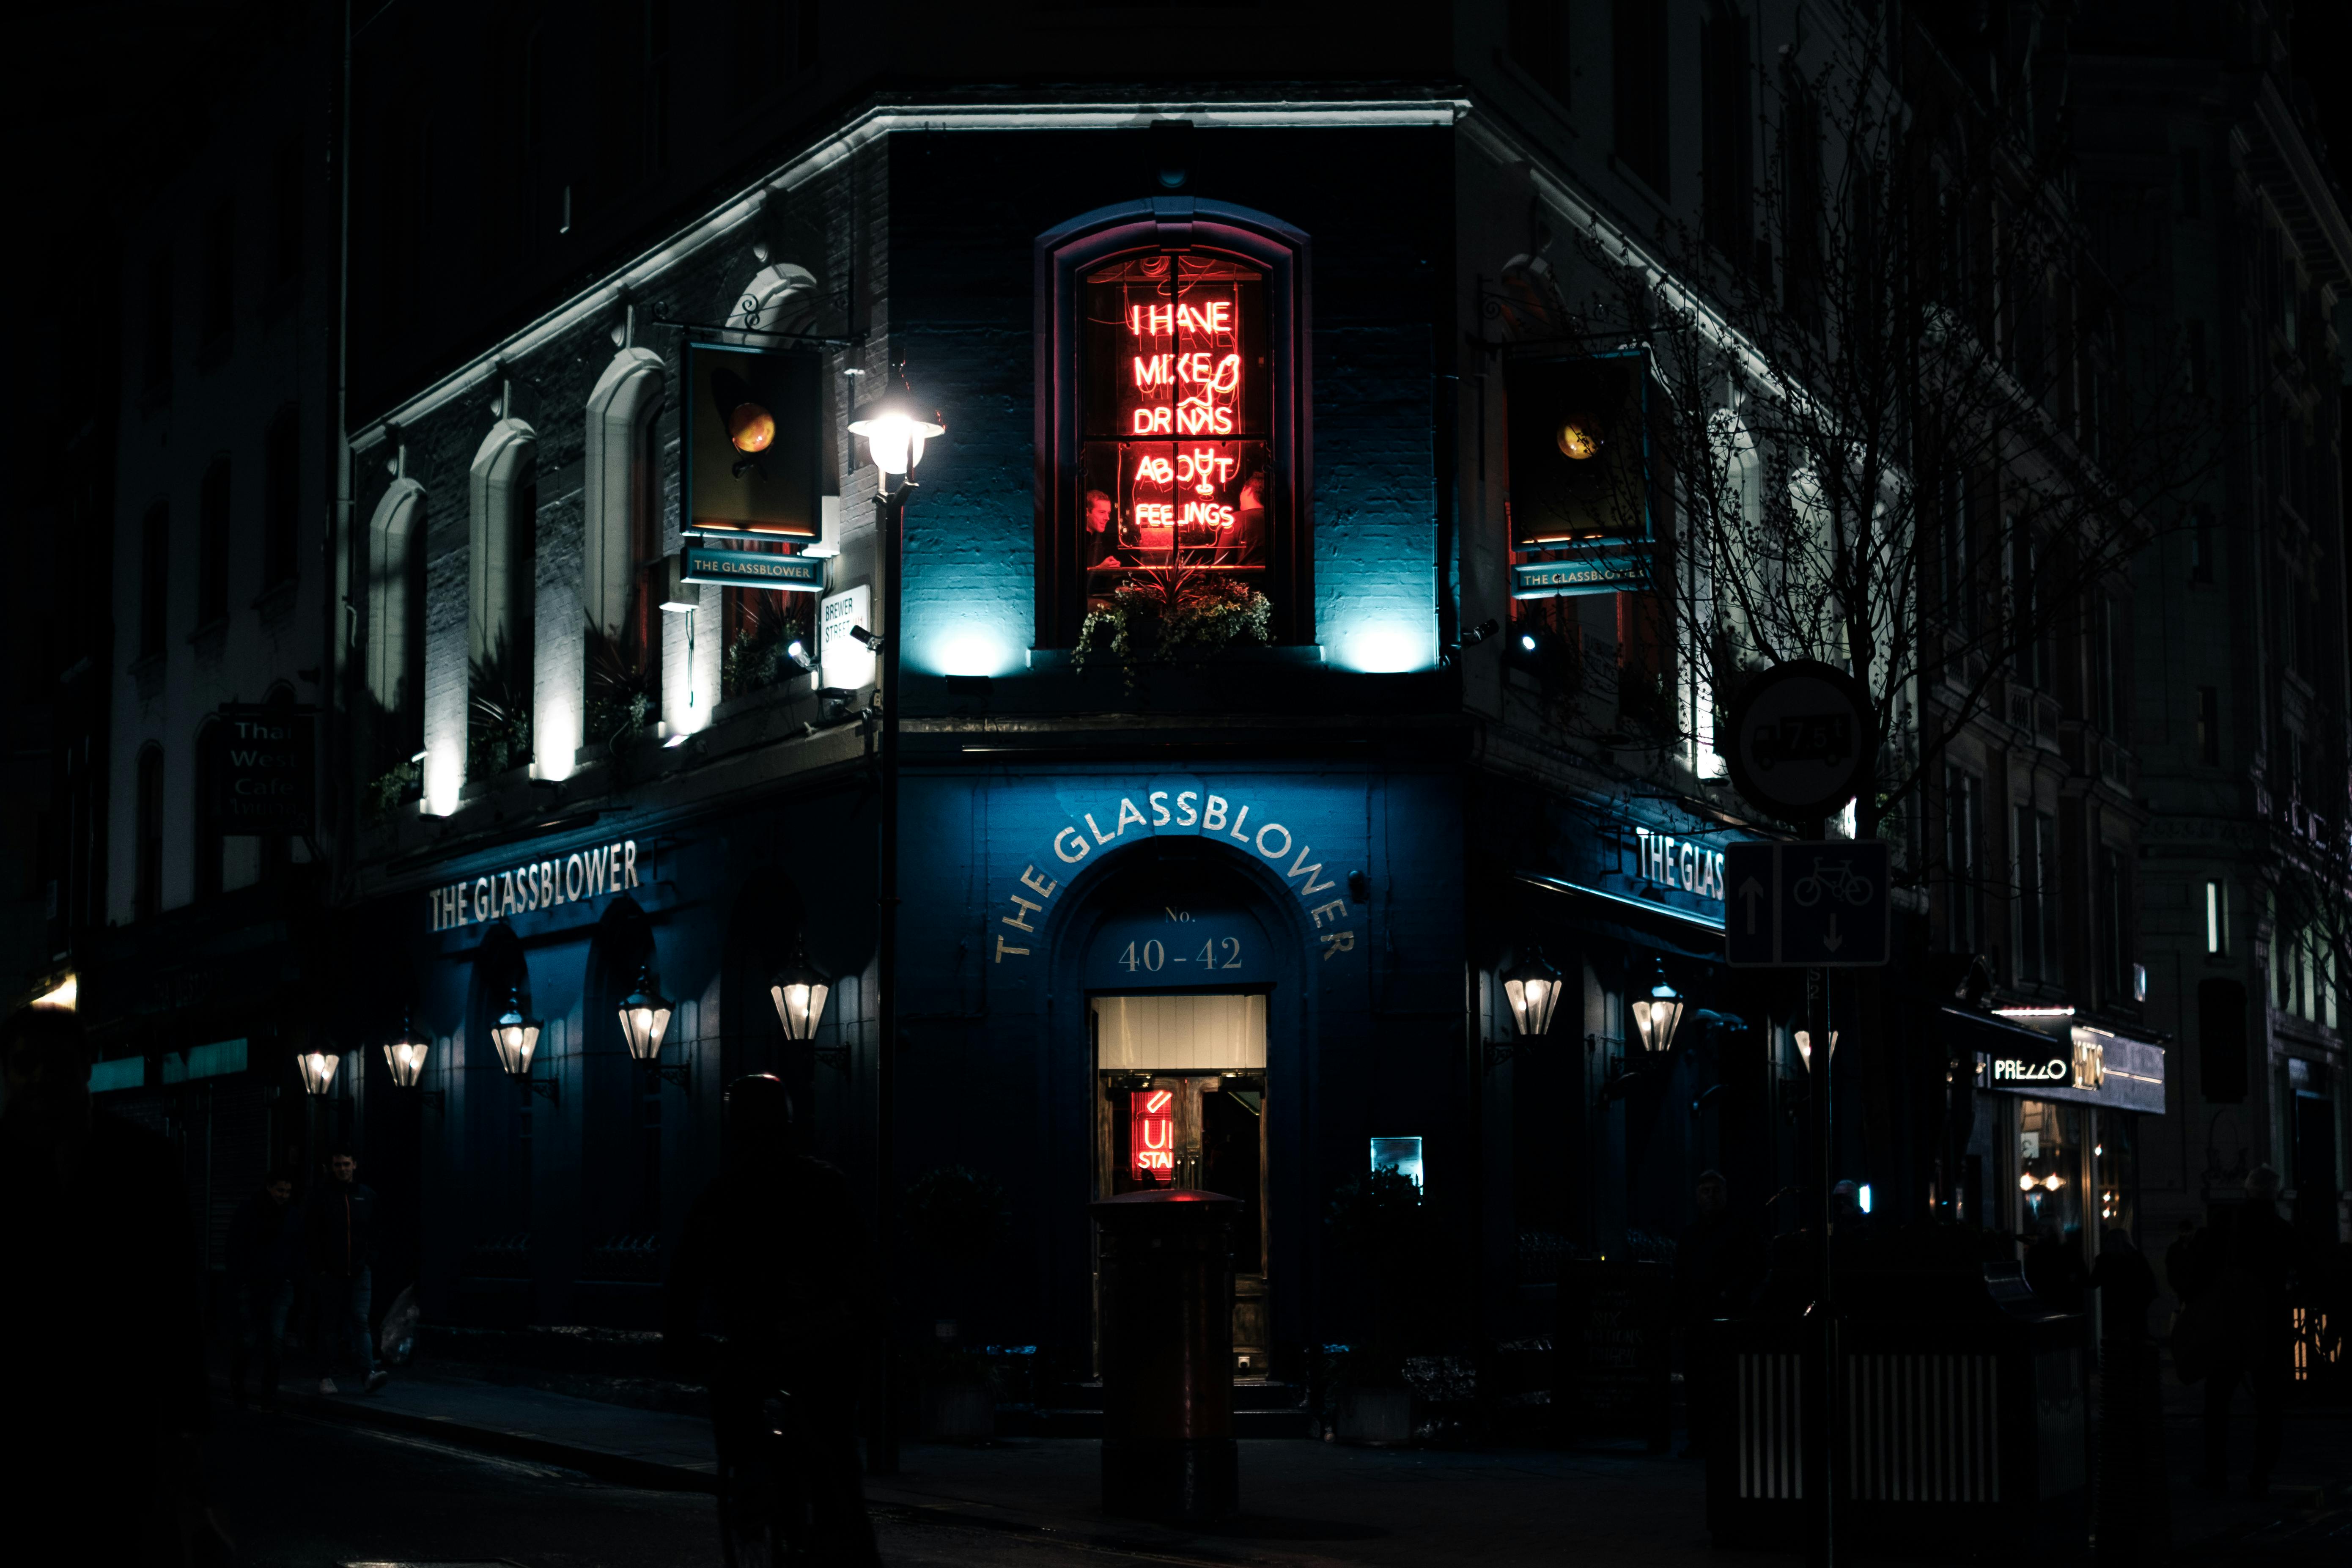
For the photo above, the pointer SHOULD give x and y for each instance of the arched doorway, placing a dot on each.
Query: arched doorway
(1195, 1018)
(620, 1131)
(495, 1275)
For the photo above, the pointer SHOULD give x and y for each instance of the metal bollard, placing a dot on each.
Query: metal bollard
(1166, 1335)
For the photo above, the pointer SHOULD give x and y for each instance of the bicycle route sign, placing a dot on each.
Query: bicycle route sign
(1806, 905)
(1801, 738)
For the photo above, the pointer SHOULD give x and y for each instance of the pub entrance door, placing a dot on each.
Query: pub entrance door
(1180, 1101)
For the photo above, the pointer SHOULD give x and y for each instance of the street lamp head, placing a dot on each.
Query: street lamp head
(800, 989)
(405, 1054)
(1658, 1016)
(318, 1071)
(1532, 987)
(644, 1016)
(896, 426)
(515, 1035)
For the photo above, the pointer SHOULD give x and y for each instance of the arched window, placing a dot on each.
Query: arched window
(621, 553)
(502, 599)
(147, 887)
(756, 625)
(1172, 401)
(396, 631)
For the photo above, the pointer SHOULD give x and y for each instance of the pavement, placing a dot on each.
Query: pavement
(1307, 1503)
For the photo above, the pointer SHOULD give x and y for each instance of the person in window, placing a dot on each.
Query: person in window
(1245, 541)
(1099, 548)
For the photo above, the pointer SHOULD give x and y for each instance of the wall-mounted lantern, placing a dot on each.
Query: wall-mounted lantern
(317, 1072)
(1658, 1016)
(515, 1035)
(1532, 987)
(800, 989)
(645, 1021)
(403, 1057)
(1805, 1048)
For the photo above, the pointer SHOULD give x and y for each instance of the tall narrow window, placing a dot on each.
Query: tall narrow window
(155, 359)
(154, 579)
(210, 847)
(1960, 596)
(2200, 545)
(2115, 925)
(2106, 667)
(1802, 211)
(1637, 74)
(1538, 43)
(502, 589)
(286, 238)
(220, 274)
(2036, 841)
(1963, 860)
(2025, 595)
(147, 891)
(2192, 184)
(772, 41)
(1727, 111)
(2217, 918)
(631, 44)
(212, 546)
(2209, 725)
(281, 496)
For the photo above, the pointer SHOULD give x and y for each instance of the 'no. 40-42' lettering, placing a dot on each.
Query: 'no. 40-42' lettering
(1217, 953)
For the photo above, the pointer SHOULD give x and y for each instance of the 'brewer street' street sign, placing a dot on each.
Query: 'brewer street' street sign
(1819, 905)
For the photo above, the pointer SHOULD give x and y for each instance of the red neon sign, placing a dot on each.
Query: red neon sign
(1151, 1135)
(1174, 465)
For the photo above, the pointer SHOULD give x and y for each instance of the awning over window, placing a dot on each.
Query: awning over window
(2085, 1064)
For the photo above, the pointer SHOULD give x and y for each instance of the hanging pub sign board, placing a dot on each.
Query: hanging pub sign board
(1577, 442)
(753, 569)
(750, 435)
(1801, 738)
(261, 762)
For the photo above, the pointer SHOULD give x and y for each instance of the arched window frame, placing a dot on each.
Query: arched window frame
(1064, 255)
(502, 610)
(394, 625)
(147, 840)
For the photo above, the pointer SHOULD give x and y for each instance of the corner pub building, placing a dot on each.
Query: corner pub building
(1239, 922)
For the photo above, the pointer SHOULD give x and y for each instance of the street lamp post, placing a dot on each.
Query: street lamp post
(895, 427)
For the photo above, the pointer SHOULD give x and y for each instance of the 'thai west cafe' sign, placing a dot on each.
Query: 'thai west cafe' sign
(1247, 825)
(538, 885)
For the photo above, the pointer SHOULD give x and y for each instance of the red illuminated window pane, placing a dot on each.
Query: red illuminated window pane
(1151, 1135)
(1175, 464)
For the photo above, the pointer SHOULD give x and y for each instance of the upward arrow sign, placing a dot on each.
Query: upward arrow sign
(1749, 891)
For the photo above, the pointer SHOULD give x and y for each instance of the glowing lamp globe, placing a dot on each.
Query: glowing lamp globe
(404, 1055)
(318, 1070)
(1532, 987)
(515, 1035)
(896, 426)
(1577, 441)
(645, 1017)
(800, 989)
(1657, 1016)
(751, 427)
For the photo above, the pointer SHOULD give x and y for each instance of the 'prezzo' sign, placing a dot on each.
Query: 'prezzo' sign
(539, 884)
(1190, 813)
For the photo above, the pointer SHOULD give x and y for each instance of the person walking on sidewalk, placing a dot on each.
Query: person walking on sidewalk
(2254, 1334)
(342, 1239)
(264, 1258)
(774, 1243)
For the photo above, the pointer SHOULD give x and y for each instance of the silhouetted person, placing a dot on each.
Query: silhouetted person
(1718, 1261)
(264, 1258)
(774, 1243)
(2126, 1288)
(343, 1248)
(102, 1376)
(2255, 1340)
(2054, 1269)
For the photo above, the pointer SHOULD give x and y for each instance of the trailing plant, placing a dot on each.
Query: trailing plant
(497, 727)
(386, 793)
(754, 657)
(1181, 614)
(624, 686)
